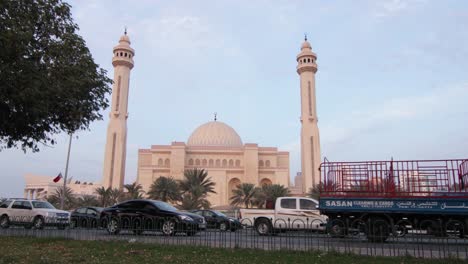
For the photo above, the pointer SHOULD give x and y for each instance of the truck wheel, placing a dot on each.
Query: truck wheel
(378, 230)
(337, 228)
(263, 227)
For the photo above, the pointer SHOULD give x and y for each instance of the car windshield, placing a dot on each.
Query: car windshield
(164, 206)
(219, 213)
(45, 205)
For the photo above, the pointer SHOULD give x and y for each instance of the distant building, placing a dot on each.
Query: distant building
(39, 187)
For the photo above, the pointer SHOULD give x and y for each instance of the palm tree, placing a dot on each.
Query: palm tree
(103, 196)
(268, 194)
(69, 198)
(87, 200)
(115, 196)
(189, 201)
(323, 187)
(134, 191)
(196, 186)
(165, 189)
(243, 194)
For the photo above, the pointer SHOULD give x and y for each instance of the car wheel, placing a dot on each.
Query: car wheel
(4, 222)
(93, 223)
(113, 226)
(233, 229)
(222, 227)
(263, 227)
(38, 222)
(73, 224)
(168, 228)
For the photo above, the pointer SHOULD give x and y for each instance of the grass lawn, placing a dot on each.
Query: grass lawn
(38, 250)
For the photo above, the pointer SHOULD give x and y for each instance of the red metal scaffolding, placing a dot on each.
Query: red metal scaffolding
(415, 178)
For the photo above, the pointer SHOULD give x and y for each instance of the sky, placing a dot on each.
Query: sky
(391, 79)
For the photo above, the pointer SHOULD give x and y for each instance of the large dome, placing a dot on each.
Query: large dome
(215, 133)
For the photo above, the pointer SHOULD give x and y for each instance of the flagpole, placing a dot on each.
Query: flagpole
(62, 200)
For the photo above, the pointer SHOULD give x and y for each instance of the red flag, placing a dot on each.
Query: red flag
(57, 179)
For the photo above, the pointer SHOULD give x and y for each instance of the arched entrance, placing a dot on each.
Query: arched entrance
(232, 185)
(265, 181)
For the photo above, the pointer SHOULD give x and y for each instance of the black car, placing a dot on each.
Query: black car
(88, 217)
(218, 220)
(151, 215)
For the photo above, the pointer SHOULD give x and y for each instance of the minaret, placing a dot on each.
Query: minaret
(116, 145)
(310, 141)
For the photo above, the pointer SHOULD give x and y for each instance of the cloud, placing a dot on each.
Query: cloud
(388, 8)
(436, 102)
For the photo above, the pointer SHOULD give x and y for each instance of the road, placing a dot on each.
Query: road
(415, 245)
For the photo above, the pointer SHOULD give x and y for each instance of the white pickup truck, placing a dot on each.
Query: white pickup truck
(289, 213)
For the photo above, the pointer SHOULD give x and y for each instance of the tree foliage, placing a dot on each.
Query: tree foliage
(195, 187)
(49, 82)
(165, 189)
(269, 193)
(244, 194)
(69, 198)
(134, 191)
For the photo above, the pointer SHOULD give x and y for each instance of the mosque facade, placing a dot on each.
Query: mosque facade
(217, 148)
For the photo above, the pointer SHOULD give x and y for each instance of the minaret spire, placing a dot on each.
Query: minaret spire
(215, 118)
(310, 141)
(116, 144)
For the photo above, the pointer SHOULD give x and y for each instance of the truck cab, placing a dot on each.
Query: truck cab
(288, 213)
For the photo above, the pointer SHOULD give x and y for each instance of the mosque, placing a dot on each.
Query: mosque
(214, 146)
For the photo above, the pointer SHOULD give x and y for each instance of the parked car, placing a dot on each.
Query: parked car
(151, 215)
(289, 213)
(32, 214)
(88, 217)
(218, 220)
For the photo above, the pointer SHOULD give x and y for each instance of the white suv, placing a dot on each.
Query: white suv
(32, 214)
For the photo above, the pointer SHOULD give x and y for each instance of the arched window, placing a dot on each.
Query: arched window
(260, 163)
(237, 163)
(224, 163)
(167, 163)
(121, 54)
(210, 163)
(125, 54)
(190, 162)
(197, 162)
(267, 163)
(218, 163)
(204, 162)
(231, 163)
(232, 185)
(160, 162)
(265, 181)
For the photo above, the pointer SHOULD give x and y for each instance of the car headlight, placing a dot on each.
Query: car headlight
(231, 220)
(185, 217)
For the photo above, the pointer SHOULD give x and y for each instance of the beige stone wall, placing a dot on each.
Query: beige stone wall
(227, 167)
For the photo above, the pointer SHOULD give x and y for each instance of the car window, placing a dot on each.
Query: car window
(81, 210)
(26, 205)
(288, 203)
(5, 204)
(219, 213)
(207, 213)
(198, 212)
(40, 204)
(91, 212)
(17, 205)
(132, 205)
(305, 204)
(164, 206)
